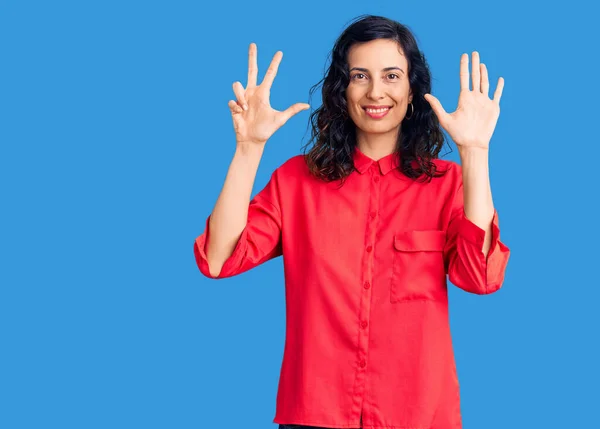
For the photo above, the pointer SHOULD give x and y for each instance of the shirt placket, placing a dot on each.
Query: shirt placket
(375, 178)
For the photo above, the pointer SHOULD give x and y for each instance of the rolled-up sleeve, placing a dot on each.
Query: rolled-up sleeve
(259, 241)
(467, 266)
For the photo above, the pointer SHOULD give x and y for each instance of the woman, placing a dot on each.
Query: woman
(370, 223)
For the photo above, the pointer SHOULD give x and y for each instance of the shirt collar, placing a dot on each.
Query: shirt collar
(386, 164)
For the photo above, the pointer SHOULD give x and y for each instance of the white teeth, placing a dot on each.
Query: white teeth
(378, 110)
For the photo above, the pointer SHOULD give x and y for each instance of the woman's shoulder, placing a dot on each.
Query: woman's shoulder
(444, 163)
(453, 168)
(293, 167)
(452, 178)
(296, 162)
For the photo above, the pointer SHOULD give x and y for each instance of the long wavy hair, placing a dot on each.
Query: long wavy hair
(334, 133)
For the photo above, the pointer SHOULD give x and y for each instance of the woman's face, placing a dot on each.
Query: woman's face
(378, 93)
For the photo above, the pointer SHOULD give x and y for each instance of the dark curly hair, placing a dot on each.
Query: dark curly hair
(334, 132)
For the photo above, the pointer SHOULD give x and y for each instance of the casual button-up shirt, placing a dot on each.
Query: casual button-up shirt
(366, 267)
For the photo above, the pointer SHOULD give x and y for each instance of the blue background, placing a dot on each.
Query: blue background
(116, 138)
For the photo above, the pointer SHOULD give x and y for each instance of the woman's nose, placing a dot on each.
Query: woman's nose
(375, 91)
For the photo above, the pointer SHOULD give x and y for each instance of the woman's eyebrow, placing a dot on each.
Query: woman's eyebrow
(385, 69)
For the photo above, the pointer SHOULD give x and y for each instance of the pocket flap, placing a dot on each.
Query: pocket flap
(420, 240)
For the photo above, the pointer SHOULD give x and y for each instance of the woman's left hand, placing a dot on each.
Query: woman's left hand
(475, 118)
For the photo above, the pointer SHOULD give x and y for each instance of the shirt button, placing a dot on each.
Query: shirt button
(364, 324)
(369, 248)
(373, 215)
(363, 363)
(367, 285)
(376, 179)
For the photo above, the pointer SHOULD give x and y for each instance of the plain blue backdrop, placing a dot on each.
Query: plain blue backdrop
(116, 138)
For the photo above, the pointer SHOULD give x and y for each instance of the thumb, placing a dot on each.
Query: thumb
(292, 110)
(436, 106)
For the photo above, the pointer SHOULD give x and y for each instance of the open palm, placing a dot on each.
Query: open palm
(254, 120)
(475, 118)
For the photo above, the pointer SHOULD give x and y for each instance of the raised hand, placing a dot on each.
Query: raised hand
(475, 118)
(254, 120)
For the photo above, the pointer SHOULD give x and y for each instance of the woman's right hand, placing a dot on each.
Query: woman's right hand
(254, 120)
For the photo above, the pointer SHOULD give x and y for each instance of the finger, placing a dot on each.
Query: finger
(272, 70)
(252, 65)
(498, 92)
(476, 75)
(292, 110)
(464, 72)
(437, 107)
(485, 82)
(240, 94)
(235, 108)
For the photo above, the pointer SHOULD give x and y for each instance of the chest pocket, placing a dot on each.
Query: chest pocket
(418, 271)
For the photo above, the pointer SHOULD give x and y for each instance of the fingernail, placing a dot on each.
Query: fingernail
(245, 107)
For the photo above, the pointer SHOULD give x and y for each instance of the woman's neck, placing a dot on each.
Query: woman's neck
(377, 146)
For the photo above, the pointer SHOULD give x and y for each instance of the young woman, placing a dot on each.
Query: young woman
(370, 223)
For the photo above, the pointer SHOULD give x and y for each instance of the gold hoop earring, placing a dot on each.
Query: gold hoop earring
(411, 112)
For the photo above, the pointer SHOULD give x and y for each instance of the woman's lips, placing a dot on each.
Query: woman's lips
(376, 113)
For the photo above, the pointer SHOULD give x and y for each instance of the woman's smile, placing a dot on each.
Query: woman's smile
(377, 112)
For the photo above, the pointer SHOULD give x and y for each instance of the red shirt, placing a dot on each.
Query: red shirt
(367, 326)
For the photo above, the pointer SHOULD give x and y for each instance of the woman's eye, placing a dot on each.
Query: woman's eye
(391, 76)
